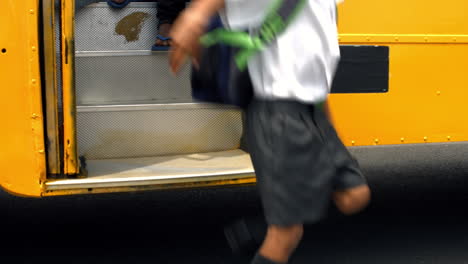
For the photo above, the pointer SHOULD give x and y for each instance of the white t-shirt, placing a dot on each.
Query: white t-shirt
(300, 64)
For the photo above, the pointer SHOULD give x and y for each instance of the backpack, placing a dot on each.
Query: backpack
(223, 76)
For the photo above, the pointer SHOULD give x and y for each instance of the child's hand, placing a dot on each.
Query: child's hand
(178, 57)
(185, 34)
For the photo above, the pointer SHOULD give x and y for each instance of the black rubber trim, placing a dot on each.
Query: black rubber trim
(362, 69)
(415, 172)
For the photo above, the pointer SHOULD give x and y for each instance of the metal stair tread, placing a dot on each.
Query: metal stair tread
(223, 165)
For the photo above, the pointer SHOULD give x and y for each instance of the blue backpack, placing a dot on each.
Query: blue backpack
(213, 81)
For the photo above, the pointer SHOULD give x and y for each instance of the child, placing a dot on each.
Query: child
(300, 162)
(168, 11)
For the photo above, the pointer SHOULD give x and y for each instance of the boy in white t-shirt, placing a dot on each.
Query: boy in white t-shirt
(300, 163)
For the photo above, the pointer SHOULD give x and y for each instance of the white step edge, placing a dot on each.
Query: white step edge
(189, 168)
(131, 5)
(150, 107)
(117, 53)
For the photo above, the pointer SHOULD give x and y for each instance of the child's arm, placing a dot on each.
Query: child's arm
(188, 29)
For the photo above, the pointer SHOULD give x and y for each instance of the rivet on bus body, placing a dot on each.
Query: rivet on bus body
(41, 151)
(376, 141)
(402, 139)
(31, 11)
(449, 137)
(33, 48)
(34, 116)
(426, 39)
(425, 138)
(438, 92)
(368, 39)
(396, 39)
(454, 39)
(33, 81)
(353, 142)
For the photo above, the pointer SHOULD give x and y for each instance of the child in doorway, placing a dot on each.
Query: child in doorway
(300, 163)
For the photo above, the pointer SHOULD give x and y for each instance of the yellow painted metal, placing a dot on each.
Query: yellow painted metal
(71, 164)
(403, 17)
(428, 66)
(22, 158)
(428, 43)
(426, 101)
(402, 38)
(51, 87)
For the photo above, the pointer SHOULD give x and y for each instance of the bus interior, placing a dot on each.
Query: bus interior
(136, 124)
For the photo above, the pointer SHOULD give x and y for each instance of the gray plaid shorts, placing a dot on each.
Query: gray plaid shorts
(299, 160)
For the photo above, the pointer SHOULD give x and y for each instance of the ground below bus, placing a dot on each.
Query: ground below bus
(185, 227)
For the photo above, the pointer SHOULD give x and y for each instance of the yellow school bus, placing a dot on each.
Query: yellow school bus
(87, 108)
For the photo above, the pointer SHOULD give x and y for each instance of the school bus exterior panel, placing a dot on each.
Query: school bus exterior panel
(22, 159)
(428, 66)
(422, 113)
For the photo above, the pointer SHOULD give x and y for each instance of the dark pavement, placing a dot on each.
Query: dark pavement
(185, 226)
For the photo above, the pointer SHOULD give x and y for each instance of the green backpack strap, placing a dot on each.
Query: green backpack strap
(279, 17)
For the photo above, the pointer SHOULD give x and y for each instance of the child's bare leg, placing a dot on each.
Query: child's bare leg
(280, 242)
(168, 11)
(353, 200)
(164, 30)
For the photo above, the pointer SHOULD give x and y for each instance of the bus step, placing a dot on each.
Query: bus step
(147, 130)
(164, 172)
(99, 27)
(116, 77)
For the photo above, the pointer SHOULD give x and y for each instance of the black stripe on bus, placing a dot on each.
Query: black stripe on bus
(362, 69)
